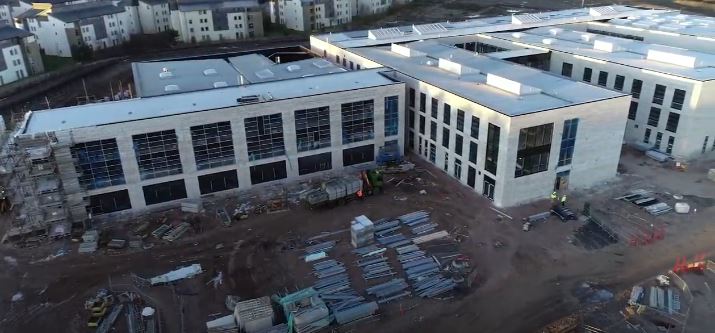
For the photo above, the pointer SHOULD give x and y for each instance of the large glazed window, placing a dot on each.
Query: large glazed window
(213, 145)
(98, 164)
(312, 128)
(568, 141)
(219, 181)
(268, 172)
(492, 151)
(357, 155)
(533, 151)
(392, 115)
(358, 121)
(157, 154)
(264, 136)
(164, 192)
(109, 202)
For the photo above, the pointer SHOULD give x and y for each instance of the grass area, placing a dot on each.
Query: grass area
(53, 63)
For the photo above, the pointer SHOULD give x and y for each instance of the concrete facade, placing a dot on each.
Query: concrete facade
(154, 16)
(302, 15)
(204, 23)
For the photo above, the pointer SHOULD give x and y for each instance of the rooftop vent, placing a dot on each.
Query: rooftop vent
(525, 19)
(602, 11)
(210, 72)
(265, 74)
(171, 87)
(643, 24)
(377, 34)
(511, 86)
(555, 31)
(165, 74)
(293, 68)
(220, 84)
(673, 58)
(606, 46)
(587, 37)
(405, 51)
(322, 63)
(456, 68)
(432, 28)
(249, 99)
(517, 35)
(548, 41)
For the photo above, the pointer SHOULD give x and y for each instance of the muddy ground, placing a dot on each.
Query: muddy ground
(525, 284)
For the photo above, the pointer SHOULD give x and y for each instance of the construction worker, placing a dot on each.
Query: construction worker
(563, 200)
(554, 197)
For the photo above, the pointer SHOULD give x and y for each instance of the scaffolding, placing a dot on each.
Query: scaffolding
(46, 198)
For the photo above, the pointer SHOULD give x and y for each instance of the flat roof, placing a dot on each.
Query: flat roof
(671, 23)
(76, 12)
(193, 5)
(382, 36)
(168, 105)
(258, 68)
(502, 86)
(171, 77)
(679, 62)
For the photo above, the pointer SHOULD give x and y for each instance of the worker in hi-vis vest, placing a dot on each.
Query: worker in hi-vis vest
(563, 200)
(554, 196)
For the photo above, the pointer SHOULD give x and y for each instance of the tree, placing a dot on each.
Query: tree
(82, 53)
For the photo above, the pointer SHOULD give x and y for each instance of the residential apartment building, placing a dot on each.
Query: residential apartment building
(485, 110)
(19, 55)
(370, 7)
(154, 15)
(216, 20)
(9, 9)
(308, 15)
(672, 87)
(61, 28)
(197, 131)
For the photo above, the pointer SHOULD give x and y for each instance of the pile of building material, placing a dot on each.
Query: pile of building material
(181, 273)
(423, 272)
(414, 218)
(90, 239)
(682, 207)
(176, 232)
(321, 247)
(664, 299)
(375, 266)
(306, 312)
(362, 231)
(254, 315)
(394, 240)
(642, 199)
(389, 291)
(331, 276)
(160, 231)
(191, 206)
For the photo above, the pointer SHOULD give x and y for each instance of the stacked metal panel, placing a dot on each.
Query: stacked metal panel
(254, 315)
(321, 247)
(375, 267)
(389, 291)
(423, 272)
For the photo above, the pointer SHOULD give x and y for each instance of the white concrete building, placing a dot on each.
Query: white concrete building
(197, 131)
(154, 15)
(370, 7)
(132, 18)
(477, 110)
(19, 55)
(216, 20)
(308, 15)
(673, 88)
(61, 28)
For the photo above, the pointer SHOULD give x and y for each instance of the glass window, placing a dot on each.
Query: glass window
(672, 124)
(678, 99)
(602, 78)
(474, 130)
(97, 163)
(633, 110)
(157, 154)
(264, 136)
(654, 117)
(587, 72)
(213, 145)
(392, 115)
(457, 169)
(435, 108)
(411, 119)
(566, 69)
(445, 137)
(447, 116)
(705, 145)
(492, 151)
(412, 97)
(533, 151)
(646, 136)
(432, 153)
(458, 143)
(659, 94)
(636, 88)
(109, 202)
(357, 121)
(433, 131)
(423, 102)
(471, 177)
(473, 152)
(315, 163)
(268, 172)
(671, 142)
(422, 125)
(620, 80)
(658, 139)
(568, 141)
(460, 120)
(312, 128)
(216, 182)
(164, 192)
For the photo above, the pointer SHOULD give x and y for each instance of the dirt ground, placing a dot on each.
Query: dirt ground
(525, 284)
